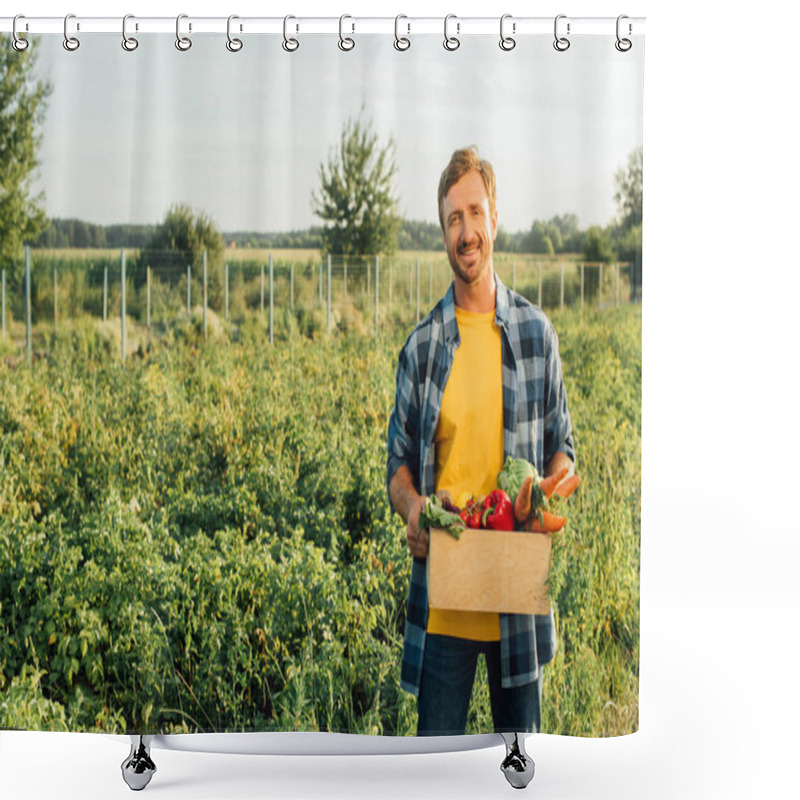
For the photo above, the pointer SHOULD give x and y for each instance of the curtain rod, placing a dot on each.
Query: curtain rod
(403, 25)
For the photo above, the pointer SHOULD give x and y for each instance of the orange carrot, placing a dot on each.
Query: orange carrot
(565, 489)
(548, 484)
(549, 523)
(522, 504)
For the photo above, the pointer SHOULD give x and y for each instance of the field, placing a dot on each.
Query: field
(199, 539)
(71, 285)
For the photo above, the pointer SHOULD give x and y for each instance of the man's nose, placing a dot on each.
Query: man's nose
(468, 230)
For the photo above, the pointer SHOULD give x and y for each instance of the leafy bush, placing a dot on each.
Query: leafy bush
(199, 539)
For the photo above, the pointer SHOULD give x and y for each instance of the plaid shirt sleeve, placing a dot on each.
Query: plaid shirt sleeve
(403, 437)
(557, 424)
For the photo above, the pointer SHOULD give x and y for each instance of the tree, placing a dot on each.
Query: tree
(597, 246)
(628, 233)
(356, 199)
(22, 108)
(179, 241)
(628, 195)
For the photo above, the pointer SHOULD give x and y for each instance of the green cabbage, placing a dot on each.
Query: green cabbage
(513, 474)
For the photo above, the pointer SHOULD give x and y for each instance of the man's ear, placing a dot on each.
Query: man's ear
(494, 224)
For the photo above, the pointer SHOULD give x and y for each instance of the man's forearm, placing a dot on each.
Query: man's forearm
(402, 491)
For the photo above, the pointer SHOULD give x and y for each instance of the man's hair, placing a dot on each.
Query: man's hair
(462, 162)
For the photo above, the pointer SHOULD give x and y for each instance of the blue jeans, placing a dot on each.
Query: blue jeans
(448, 673)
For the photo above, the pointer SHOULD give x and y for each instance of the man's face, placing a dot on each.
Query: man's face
(469, 229)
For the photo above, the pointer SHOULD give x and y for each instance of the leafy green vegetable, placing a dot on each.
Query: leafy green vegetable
(434, 515)
(513, 474)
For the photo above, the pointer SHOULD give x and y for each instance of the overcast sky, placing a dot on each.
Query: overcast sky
(241, 136)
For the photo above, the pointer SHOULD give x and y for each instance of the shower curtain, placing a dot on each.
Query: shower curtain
(213, 257)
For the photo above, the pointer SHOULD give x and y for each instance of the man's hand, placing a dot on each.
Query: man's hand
(409, 504)
(417, 539)
(558, 462)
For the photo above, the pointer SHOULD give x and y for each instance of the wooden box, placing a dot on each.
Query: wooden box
(489, 571)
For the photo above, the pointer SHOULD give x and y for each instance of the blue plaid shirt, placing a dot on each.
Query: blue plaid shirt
(536, 425)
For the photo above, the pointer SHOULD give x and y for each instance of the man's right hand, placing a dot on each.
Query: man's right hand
(417, 539)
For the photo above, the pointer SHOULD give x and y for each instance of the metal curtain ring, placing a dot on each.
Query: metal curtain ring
(623, 45)
(128, 42)
(507, 42)
(345, 42)
(183, 43)
(18, 43)
(71, 43)
(451, 42)
(561, 43)
(289, 45)
(234, 45)
(401, 42)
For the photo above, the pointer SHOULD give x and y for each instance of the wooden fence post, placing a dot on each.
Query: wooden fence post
(430, 284)
(600, 287)
(205, 295)
(376, 296)
(539, 266)
(329, 293)
(271, 302)
(582, 276)
(419, 281)
(55, 301)
(122, 302)
(28, 342)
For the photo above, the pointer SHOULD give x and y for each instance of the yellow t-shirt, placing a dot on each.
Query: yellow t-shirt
(469, 444)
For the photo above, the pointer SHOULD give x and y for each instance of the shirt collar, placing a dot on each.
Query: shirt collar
(451, 334)
(502, 303)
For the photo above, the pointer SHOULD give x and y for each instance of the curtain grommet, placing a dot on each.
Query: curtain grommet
(71, 43)
(183, 43)
(18, 43)
(561, 43)
(507, 43)
(233, 44)
(401, 43)
(289, 44)
(346, 43)
(129, 43)
(451, 43)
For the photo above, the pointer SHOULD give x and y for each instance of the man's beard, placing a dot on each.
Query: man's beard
(480, 265)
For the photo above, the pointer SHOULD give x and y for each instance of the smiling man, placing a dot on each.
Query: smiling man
(477, 380)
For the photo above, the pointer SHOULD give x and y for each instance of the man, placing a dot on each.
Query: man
(478, 379)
